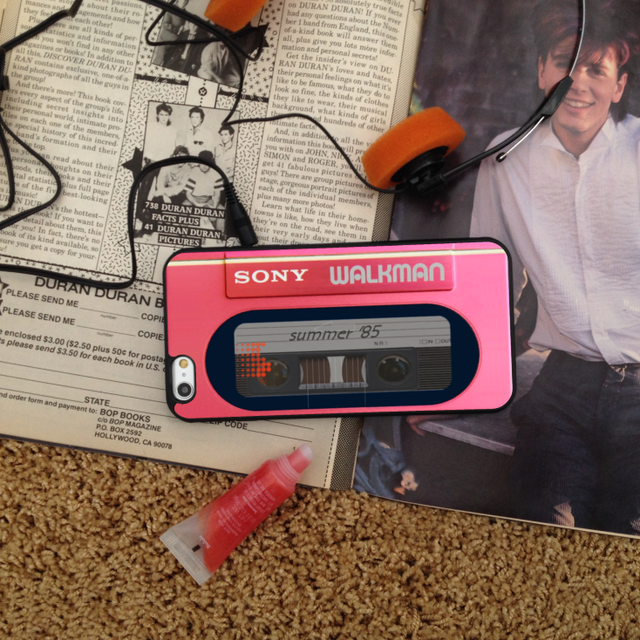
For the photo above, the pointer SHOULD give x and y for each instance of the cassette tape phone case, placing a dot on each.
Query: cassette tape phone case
(333, 330)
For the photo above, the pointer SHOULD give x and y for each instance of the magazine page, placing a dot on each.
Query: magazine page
(83, 366)
(565, 204)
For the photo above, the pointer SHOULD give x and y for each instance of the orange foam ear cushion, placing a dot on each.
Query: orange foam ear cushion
(233, 14)
(410, 138)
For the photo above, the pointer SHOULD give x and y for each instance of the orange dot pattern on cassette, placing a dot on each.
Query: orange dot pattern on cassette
(249, 362)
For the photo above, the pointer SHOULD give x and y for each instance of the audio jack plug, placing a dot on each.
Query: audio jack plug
(239, 216)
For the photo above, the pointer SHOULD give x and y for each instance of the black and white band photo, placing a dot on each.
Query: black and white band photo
(210, 61)
(183, 205)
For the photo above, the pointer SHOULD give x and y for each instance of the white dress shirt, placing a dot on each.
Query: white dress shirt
(160, 141)
(572, 225)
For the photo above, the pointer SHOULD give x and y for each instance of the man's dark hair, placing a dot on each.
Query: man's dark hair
(608, 23)
(164, 107)
(196, 110)
(206, 155)
(226, 127)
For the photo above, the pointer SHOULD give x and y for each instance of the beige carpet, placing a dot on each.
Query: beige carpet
(80, 558)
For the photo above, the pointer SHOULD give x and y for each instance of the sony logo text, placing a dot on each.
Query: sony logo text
(260, 276)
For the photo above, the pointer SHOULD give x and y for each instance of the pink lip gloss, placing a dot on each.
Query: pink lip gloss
(202, 542)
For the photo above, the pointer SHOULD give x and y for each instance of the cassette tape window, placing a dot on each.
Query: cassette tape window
(342, 355)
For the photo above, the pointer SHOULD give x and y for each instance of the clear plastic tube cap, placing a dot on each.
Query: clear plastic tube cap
(301, 458)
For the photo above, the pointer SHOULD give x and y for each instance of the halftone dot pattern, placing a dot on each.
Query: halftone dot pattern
(249, 362)
(115, 257)
(260, 74)
(249, 138)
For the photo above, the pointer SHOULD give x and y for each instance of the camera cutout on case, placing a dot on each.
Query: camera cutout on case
(183, 378)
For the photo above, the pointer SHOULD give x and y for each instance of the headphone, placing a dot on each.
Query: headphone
(411, 155)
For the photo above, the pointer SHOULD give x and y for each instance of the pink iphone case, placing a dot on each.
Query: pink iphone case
(333, 330)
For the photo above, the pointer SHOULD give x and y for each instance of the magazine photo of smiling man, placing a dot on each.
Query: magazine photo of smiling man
(566, 204)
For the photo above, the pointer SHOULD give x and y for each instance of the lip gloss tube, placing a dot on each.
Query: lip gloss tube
(203, 542)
